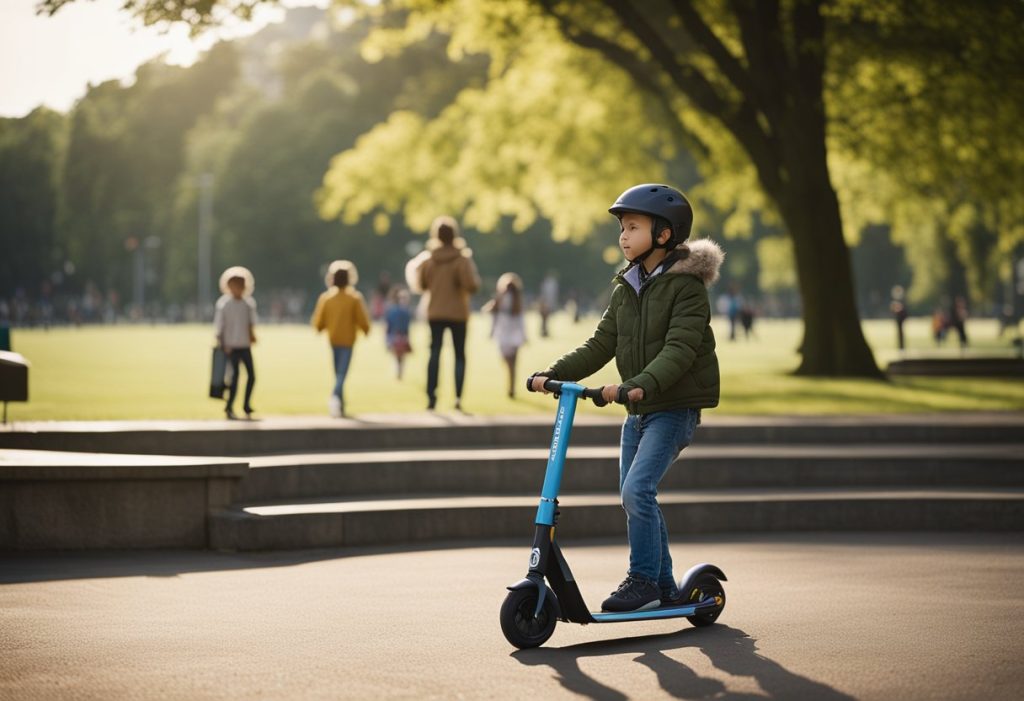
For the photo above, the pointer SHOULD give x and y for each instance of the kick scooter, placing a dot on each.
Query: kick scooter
(531, 608)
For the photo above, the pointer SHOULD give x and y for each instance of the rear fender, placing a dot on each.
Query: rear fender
(696, 571)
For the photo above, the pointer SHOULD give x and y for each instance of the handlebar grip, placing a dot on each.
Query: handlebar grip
(595, 396)
(553, 386)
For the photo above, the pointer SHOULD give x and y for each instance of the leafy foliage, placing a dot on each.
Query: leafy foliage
(30, 153)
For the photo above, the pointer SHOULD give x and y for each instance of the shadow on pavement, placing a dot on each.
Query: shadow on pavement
(729, 649)
(46, 566)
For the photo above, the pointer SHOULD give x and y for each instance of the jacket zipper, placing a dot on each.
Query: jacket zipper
(638, 342)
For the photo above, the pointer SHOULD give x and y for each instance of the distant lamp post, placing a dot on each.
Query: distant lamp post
(133, 246)
(138, 249)
(205, 183)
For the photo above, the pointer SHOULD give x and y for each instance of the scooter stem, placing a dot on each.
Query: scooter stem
(570, 393)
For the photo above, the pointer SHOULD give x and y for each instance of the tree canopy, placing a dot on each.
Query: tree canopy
(532, 115)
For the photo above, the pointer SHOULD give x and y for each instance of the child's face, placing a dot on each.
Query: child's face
(236, 286)
(636, 234)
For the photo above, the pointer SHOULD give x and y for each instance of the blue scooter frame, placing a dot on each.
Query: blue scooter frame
(532, 607)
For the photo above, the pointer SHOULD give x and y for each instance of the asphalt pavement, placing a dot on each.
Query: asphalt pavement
(825, 617)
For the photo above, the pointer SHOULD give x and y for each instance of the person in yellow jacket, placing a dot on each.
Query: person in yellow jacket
(342, 311)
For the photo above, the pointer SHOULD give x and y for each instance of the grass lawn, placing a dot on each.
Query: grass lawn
(113, 372)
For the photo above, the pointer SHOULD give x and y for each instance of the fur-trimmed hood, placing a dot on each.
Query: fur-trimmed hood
(702, 258)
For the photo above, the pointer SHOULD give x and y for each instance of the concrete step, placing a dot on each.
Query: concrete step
(521, 470)
(52, 500)
(434, 431)
(381, 522)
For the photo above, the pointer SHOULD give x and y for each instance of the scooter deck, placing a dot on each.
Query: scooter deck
(669, 611)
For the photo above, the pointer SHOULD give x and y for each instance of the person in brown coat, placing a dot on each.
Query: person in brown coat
(447, 277)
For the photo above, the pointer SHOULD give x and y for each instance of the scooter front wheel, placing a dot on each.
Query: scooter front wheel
(707, 586)
(520, 626)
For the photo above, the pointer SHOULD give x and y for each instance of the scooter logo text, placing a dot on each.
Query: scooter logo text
(534, 557)
(558, 432)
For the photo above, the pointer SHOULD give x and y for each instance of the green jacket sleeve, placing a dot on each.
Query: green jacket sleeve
(596, 351)
(689, 317)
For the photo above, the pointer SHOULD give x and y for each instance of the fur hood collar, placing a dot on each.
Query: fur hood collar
(702, 258)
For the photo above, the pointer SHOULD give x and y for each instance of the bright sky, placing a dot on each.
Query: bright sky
(51, 60)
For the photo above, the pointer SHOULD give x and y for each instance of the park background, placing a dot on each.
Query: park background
(341, 132)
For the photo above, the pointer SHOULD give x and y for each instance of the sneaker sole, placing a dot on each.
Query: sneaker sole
(649, 605)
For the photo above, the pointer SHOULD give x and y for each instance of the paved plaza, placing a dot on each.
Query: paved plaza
(829, 616)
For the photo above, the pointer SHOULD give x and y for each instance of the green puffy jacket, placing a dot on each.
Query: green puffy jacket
(661, 337)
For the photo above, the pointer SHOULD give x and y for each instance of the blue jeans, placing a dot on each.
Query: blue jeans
(342, 356)
(650, 444)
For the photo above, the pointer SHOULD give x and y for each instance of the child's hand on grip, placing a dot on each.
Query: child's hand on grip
(611, 393)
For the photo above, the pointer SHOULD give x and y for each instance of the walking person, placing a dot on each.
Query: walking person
(733, 309)
(398, 318)
(508, 327)
(234, 322)
(342, 312)
(447, 276)
(899, 314)
(958, 320)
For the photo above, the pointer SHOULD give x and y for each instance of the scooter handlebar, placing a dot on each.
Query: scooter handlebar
(594, 394)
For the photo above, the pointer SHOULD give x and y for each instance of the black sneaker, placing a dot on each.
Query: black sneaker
(670, 595)
(634, 594)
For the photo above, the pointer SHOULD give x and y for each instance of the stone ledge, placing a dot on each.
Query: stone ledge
(409, 522)
(958, 367)
(70, 501)
(58, 465)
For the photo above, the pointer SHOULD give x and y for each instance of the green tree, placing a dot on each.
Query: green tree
(584, 98)
(929, 140)
(30, 153)
(268, 150)
(747, 78)
(126, 149)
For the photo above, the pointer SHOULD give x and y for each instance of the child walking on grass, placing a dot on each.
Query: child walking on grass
(342, 312)
(234, 321)
(508, 328)
(398, 318)
(657, 328)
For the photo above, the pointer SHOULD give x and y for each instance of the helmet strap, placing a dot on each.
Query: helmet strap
(637, 260)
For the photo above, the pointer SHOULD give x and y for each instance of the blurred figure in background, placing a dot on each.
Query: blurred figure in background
(508, 328)
(446, 274)
(940, 324)
(733, 307)
(381, 295)
(341, 311)
(747, 316)
(398, 317)
(899, 315)
(234, 321)
(958, 319)
(547, 302)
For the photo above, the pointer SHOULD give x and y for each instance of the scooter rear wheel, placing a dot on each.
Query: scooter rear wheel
(518, 623)
(706, 586)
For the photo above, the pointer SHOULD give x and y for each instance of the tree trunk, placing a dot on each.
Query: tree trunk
(833, 342)
(791, 158)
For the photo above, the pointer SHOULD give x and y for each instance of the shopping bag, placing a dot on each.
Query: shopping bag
(218, 373)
